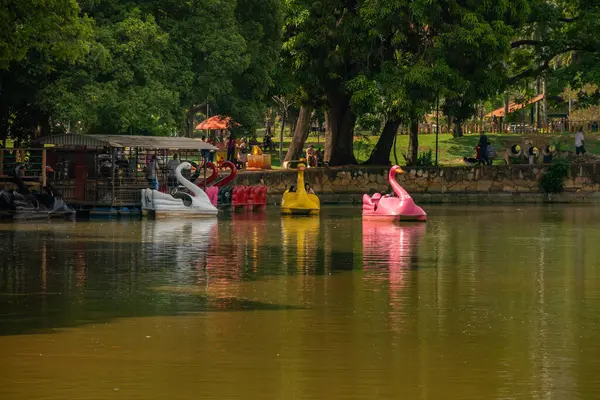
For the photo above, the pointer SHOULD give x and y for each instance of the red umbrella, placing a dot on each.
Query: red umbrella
(217, 122)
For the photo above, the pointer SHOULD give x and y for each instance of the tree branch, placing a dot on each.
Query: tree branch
(568, 20)
(534, 18)
(545, 64)
(196, 108)
(525, 42)
(530, 72)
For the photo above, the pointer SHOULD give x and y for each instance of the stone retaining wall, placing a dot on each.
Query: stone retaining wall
(514, 183)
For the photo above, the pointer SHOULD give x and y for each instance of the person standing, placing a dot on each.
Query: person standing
(231, 148)
(171, 167)
(153, 173)
(211, 154)
(243, 153)
(483, 145)
(579, 142)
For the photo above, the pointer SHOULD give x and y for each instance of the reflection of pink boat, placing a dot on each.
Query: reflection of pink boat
(400, 207)
(390, 246)
(390, 251)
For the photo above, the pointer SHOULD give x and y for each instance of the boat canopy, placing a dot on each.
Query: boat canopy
(122, 141)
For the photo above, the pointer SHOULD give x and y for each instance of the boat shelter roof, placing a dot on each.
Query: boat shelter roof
(121, 141)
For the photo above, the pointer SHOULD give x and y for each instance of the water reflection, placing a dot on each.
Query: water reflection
(480, 302)
(179, 243)
(392, 249)
(391, 246)
(236, 255)
(300, 237)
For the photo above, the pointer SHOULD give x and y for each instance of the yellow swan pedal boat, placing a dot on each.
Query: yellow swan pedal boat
(300, 202)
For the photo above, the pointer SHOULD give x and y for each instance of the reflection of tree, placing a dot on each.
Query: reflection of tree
(65, 275)
(238, 248)
(503, 303)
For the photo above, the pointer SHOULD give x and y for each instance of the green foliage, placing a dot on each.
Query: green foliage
(553, 180)
(425, 159)
(372, 123)
(123, 83)
(136, 66)
(41, 34)
(38, 40)
(362, 146)
(150, 66)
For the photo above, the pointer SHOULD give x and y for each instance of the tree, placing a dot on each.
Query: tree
(260, 24)
(35, 41)
(431, 50)
(283, 105)
(558, 46)
(205, 47)
(300, 135)
(154, 65)
(323, 46)
(125, 83)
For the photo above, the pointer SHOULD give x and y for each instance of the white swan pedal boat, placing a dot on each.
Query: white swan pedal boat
(180, 204)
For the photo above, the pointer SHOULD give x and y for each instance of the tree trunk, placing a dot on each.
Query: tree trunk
(283, 118)
(506, 109)
(544, 101)
(190, 119)
(381, 152)
(458, 131)
(189, 123)
(300, 136)
(43, 125)
(295, 124)
(339, 135)
(270, 121)
(538, 89)
(413, 141)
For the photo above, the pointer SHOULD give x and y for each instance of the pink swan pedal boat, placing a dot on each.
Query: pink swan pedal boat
(400, 207)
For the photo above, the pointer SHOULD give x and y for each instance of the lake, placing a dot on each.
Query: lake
(478, 303)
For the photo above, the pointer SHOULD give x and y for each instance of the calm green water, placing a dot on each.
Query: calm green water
(479, 303)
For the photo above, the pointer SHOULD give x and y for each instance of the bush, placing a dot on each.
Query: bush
(425, 159)
(553, 180)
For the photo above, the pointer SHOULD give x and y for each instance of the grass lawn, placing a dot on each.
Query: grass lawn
(451, 150)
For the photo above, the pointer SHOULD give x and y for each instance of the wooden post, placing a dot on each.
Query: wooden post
(2, 161)
(43, 168)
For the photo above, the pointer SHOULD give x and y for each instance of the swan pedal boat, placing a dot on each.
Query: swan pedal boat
(400, 207)
(300, 202)
(181, 203)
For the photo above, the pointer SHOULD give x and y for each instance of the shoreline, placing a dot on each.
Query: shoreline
(464, 198)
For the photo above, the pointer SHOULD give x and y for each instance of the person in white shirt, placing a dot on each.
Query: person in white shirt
(171, 167)
(579, 141)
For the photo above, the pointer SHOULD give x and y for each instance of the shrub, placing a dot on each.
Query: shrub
(424, 159)
(553, 180)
